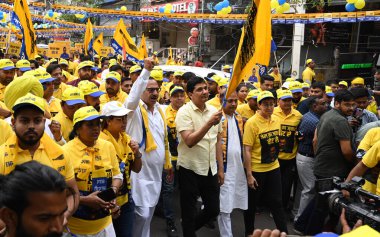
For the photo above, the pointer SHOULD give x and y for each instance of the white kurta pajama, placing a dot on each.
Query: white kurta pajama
(234, 191)
(146, 185)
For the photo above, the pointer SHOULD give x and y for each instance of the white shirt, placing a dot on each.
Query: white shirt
(146, 185)
(234, 191)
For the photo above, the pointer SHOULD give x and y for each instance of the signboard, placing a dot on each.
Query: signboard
(3, 43)
(353, 65)
(79, 47)
(104, 51)
(186, 6)
(14, 48)
(56, 48)
(42, 51)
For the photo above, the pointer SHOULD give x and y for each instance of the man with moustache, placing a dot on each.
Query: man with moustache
(113, 85)
(7, 73)
(33, 201)
(147, 125)
(85, 72)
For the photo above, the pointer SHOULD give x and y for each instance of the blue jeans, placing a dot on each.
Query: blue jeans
(167, 196)
(124, 224)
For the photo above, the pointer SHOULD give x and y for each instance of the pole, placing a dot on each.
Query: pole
(201, 31)
(275, 59)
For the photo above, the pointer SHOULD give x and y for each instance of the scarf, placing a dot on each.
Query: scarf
(150, 145)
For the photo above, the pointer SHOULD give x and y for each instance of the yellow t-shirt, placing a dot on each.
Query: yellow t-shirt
(372, 107)
(54, 107)
(58, 93)
(2, 90)
(170, 115)
(308, 75)
(3, 106)
(6, 131)
(215, 102)
(66, 124)
(262, 135)
(277, 79)
(48, 153)
(89, 163)
(121, 96)
(73, 68)
(288, 132)
(125, 158)
(371, 159)
(245, 111)
(68, 76)
(241, 103)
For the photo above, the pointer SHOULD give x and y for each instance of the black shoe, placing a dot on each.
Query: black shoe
(210, 225)
(171, 229)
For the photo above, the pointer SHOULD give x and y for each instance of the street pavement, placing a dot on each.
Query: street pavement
(263, 221)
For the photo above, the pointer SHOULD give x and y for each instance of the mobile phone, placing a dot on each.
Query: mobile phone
(358, 112)
(107, 195)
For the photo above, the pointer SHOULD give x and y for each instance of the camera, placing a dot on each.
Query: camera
(361, 204)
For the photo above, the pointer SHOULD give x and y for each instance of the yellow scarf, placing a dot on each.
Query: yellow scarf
(150, 145)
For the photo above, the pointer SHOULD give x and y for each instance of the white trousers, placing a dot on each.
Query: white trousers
(224, 222)
(109, 231)
(143, 218)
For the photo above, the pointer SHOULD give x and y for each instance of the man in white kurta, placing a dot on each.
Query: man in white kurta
(234, 191)
(146, 185)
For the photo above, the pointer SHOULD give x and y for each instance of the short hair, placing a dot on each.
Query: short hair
(359, 92)
(241, 85)
(103, 60)
(211, 74)
(319, 85)
(125, 79)
(187, 76)
(26, 178)
(188, 62)
(313, 100)
(130, 63)
(299, 80)
(52, 67)
(343, 95)
(13, 56)
(193, 82)
(264, 78)
(35, 62)
(115, 68)
(85, 58)
(329, 82)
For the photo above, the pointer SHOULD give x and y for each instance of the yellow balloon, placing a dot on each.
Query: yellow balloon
(351, 1)
(274, 4)
(55, 15)
(219, 12)
(359, 4)
(123, 8)
(228, 9)
(286, 7)
(4, 17)
(79, 16)
(279, 9)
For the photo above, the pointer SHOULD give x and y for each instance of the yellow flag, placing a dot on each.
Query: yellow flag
(254, 46)
(88, 37)
(121, 37)
(171, 53)
(21, 18)
(98, 44)
(143, 51)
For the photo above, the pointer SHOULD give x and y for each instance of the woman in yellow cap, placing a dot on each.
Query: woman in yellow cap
(129, 157)
(97, 173)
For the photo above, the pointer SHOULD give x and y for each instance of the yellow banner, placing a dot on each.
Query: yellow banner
(42, 51)
(104, 51)
(3, 43)
(56, 49)
(143, 51)
(14, 48)
(21, 9)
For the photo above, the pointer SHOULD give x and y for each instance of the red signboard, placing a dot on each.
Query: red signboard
(185, 6)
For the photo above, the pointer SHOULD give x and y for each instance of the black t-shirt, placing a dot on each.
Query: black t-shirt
(329, 160)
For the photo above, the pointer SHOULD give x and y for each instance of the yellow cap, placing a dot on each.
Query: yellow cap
(253, 94)
(289, 79)
(135, 68)
(46, 77)
(114, 76)
(178, 73)
(35, 73)
(358, 81)
(215, 78)
(155, 53)
(63, 61)
(73, 95)
(157, 75)
(264, 95)
(85, 64)
(29, 99)
(53, 60)
(343, 83)
(96, 56)
(305, 85)
(90, 88)
(112, 62)
(175, 89)
(329, 91)
(6, 64)
(227, 67)
(284, 94)
(157, 68)
(37, 56)
(309, 61)
(223, 82)
(295, 86)
(23, 65)
(86, 113)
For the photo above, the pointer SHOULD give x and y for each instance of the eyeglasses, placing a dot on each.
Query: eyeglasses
(152, 90)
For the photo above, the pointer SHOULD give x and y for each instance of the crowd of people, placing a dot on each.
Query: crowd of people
(122, 137)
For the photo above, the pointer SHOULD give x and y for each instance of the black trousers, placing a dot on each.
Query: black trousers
(191, 186)
(270, 189)
(287, 168)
